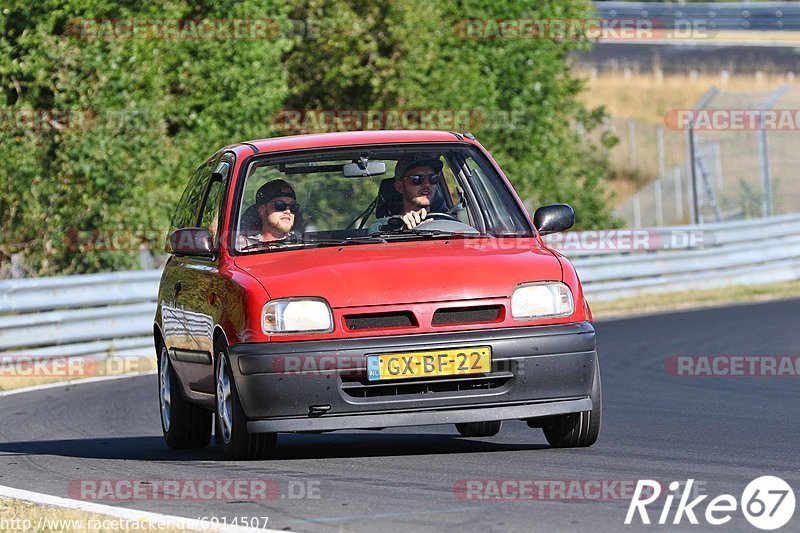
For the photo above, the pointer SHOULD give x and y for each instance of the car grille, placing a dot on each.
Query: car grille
(361, 388)
(467, 315)
(399, 319)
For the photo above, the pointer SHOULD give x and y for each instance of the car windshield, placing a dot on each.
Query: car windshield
(357, 196)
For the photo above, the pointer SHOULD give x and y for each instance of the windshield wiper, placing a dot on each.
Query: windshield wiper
(360, 239)
(363, 239)
(270, 244)
(422, 232)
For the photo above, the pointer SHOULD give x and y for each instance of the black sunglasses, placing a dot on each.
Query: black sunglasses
(433, 179)
(280, 205)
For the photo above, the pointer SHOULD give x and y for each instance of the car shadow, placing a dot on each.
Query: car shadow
(290, 446)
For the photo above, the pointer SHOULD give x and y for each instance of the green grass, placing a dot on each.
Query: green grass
(675, 301)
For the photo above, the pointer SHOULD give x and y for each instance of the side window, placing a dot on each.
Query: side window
(212, 206)
(460, 211)
(501, 211)
(186, 214)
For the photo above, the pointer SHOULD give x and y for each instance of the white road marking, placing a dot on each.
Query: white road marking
(132, 515)
(74, 382)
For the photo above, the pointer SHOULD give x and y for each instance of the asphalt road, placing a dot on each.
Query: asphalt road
(722, 432)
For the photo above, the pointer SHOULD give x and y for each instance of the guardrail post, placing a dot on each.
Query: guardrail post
(766, 202)
(693, 168)
(632, 142)
(145, 257)
(766, 180)
(17, 266)
(659, 208)
(676, 177)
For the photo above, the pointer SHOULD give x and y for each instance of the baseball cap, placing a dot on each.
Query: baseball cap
(274, 189)
(418, 160)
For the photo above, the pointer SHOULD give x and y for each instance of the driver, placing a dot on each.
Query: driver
(415, 180)
(277, 207)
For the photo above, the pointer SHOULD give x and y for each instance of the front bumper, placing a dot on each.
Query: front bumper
(322, 385)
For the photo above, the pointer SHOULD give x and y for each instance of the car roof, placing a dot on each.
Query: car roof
(353, 138)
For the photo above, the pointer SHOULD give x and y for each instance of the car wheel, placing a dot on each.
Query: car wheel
(231, 422)
(577, 429)
(185, 425)
(480, 429)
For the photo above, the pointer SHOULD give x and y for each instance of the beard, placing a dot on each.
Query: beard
(420, 202)
(280, 225)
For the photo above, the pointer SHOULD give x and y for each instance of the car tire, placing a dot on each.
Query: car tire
(184, 424)
(231, 422)
(577, 430)
(480, 429)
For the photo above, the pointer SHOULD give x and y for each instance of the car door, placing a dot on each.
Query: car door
(180, 334)
(202, 286)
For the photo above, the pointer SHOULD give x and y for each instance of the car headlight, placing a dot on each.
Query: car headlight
(540, 300)
(296, 315)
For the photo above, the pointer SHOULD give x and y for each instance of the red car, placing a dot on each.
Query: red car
(368, 280)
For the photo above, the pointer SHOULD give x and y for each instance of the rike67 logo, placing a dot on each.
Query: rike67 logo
(767, 502)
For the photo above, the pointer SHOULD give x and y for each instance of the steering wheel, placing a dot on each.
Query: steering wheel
(395, 222)
(441, 216)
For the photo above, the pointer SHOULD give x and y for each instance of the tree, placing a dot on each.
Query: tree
(118, 124)
(519, 93)
(100, 132)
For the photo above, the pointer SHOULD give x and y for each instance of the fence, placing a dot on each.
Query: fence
(738, 172)
(101, 313)
(775, 16)
(646, 150)
(742, 252)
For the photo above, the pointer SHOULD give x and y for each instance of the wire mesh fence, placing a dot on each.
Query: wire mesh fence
(745, 156)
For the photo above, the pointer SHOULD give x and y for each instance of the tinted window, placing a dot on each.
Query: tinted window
(212, 206)
(186, 214)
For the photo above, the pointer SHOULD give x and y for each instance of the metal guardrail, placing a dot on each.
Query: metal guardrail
(97, 314)
(774, 16)
(92, 314)
(707, 256)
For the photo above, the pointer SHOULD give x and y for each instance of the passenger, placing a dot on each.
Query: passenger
(277, 207)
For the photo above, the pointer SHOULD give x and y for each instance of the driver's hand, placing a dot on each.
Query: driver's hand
(414, 218)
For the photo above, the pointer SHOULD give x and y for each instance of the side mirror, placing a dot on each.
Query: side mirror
(191, 241)
(553, 218)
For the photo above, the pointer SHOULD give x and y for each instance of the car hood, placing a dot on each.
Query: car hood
(403, 272)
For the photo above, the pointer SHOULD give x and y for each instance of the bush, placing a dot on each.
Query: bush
(102, 135)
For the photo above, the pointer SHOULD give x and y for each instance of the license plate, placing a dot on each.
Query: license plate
(451, 362)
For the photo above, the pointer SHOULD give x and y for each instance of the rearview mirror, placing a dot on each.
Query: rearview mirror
(553, 218)
(364, 169)
(191, 241)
